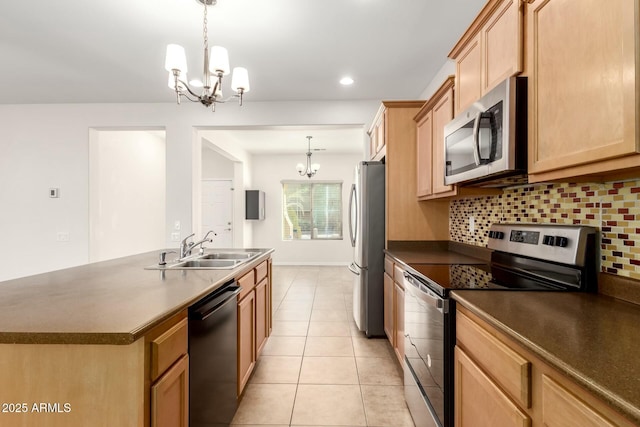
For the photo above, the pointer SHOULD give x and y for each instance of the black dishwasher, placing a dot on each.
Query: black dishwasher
(213, 383)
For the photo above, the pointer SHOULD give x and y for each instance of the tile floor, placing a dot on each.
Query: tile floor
(317, 369)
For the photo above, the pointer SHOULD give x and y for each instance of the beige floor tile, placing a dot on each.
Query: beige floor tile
(292, 315)
(277, 370)
(284, 346)
(328, 370)
(385, 406)
(328, 304)
(328, 405)
(336, 315)
(266, 404)
(329, 329)
(372, 347)
(290, 328)
(296, 305)
(328, 346)
(379, 371)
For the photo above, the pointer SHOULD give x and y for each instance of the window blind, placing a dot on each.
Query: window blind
(312, 210)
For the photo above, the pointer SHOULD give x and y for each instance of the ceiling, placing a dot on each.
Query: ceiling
(291, 139)
(77, 51)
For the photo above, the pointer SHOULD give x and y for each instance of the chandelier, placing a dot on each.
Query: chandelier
(216, 65)
(311, 168)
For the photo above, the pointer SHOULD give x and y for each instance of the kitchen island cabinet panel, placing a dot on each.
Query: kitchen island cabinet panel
(170, 397)
(583, 88)
(246, 339)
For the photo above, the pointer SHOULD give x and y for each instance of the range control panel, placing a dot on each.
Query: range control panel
(552, 242)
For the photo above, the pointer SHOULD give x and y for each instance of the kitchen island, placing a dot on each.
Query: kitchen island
(103, 344)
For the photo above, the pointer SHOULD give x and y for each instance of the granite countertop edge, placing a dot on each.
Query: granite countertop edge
(127, 337)
(608, 396)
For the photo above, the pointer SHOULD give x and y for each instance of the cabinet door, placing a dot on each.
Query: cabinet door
(170, 397)
(424, 157)
(560, 408)
(468, 70)
(582, 82)
(262, 321)
(388, 307)
(502, 44)
(399, 322)
(246, 339)
(442, 114)
(479, 402)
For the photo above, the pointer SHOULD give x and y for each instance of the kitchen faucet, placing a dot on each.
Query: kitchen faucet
(186, 248)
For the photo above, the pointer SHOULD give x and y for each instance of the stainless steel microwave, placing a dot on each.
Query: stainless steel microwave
(486, 144)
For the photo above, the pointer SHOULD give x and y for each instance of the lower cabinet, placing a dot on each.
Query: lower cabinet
(246, 339)
(394, 307)
(170, 396)
(388, 306)
(254, 319)
(398, 296)
(498, 383)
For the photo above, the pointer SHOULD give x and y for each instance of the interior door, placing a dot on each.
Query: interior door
(217, 211)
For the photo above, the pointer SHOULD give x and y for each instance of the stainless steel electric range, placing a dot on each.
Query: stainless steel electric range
(525, 257)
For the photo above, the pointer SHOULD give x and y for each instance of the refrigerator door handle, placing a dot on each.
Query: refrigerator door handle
(352, 268)
(353, 227)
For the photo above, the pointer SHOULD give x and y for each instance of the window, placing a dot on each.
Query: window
(311, 210)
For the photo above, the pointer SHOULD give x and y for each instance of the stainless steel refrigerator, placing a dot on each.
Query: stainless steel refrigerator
(366, 230)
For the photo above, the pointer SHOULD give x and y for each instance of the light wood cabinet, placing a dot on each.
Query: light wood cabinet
(170, 397)
(489, 51)
(430, 155)
(583, 88)
(479, 402)
(398, 296)
(377, 136)
(406, 218)
(388, 307)
(500, 383)
(254, 319)
(262, 320)
(246, 339)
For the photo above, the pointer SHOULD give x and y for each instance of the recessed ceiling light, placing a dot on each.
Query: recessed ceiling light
(346, 81)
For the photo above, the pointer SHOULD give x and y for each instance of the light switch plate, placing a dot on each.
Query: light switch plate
(54, 193)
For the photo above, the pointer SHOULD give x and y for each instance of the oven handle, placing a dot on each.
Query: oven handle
(426, 295)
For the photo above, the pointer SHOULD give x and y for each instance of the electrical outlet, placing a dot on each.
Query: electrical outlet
(472, 224)
(62, 236)
(177, 226)
(175, 237)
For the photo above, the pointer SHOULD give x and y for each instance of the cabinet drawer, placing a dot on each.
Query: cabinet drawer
(246, 283)
(398, 276)
(168, 348)
(388, 266)
(510, 370)
(261, 271)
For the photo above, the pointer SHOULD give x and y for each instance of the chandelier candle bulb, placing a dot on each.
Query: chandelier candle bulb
(176, 59)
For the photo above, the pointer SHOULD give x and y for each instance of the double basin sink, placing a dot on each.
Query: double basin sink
(226, 260)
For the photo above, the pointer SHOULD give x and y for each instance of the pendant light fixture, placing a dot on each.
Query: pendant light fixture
(311, 168)
(216, 65)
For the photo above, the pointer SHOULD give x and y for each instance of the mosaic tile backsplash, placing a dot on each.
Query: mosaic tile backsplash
(613, 207)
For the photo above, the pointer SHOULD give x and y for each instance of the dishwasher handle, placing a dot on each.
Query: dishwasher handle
(211, 306)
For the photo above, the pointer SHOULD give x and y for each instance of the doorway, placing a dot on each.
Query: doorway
(217, 211)
(127, 192)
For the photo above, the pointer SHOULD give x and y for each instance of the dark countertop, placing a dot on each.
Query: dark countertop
(109, 302)
(437, 252)
(593, 339)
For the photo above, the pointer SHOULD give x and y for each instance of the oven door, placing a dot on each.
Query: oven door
(425, 316)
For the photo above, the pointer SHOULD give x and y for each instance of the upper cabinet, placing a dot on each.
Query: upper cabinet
(489, 51)
(431, 119)
(377, 137)
(406, 218)
(583, 88)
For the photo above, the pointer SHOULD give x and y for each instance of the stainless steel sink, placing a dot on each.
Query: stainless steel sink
(223, 260)
(207, 263)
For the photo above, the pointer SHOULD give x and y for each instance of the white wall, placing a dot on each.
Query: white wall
(215, 165)
(43, 146)
(127, 193)
(268, 172)
(447, 69)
